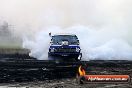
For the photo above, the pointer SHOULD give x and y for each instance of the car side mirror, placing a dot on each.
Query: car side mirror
(51, 42)
(78, 42)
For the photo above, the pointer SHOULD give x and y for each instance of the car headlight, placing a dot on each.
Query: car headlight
(78, 49)
(52, 50)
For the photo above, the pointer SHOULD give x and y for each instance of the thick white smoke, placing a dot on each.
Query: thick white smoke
(104, 31)
(40, 44)
(94, 45)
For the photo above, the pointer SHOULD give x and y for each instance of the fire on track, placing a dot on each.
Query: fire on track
(30, 70)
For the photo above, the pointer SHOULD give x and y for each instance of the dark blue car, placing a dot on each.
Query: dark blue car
(64, 47)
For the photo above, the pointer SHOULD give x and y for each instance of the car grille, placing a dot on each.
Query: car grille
(66, 50)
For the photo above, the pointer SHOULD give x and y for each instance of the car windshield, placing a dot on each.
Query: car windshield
(72, 39)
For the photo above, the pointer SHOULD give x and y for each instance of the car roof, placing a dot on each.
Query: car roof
(64, 34)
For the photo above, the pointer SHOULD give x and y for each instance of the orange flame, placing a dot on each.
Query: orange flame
(81, 71)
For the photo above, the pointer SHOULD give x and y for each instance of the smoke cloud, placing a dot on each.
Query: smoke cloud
(103, 26)
(94, 43)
